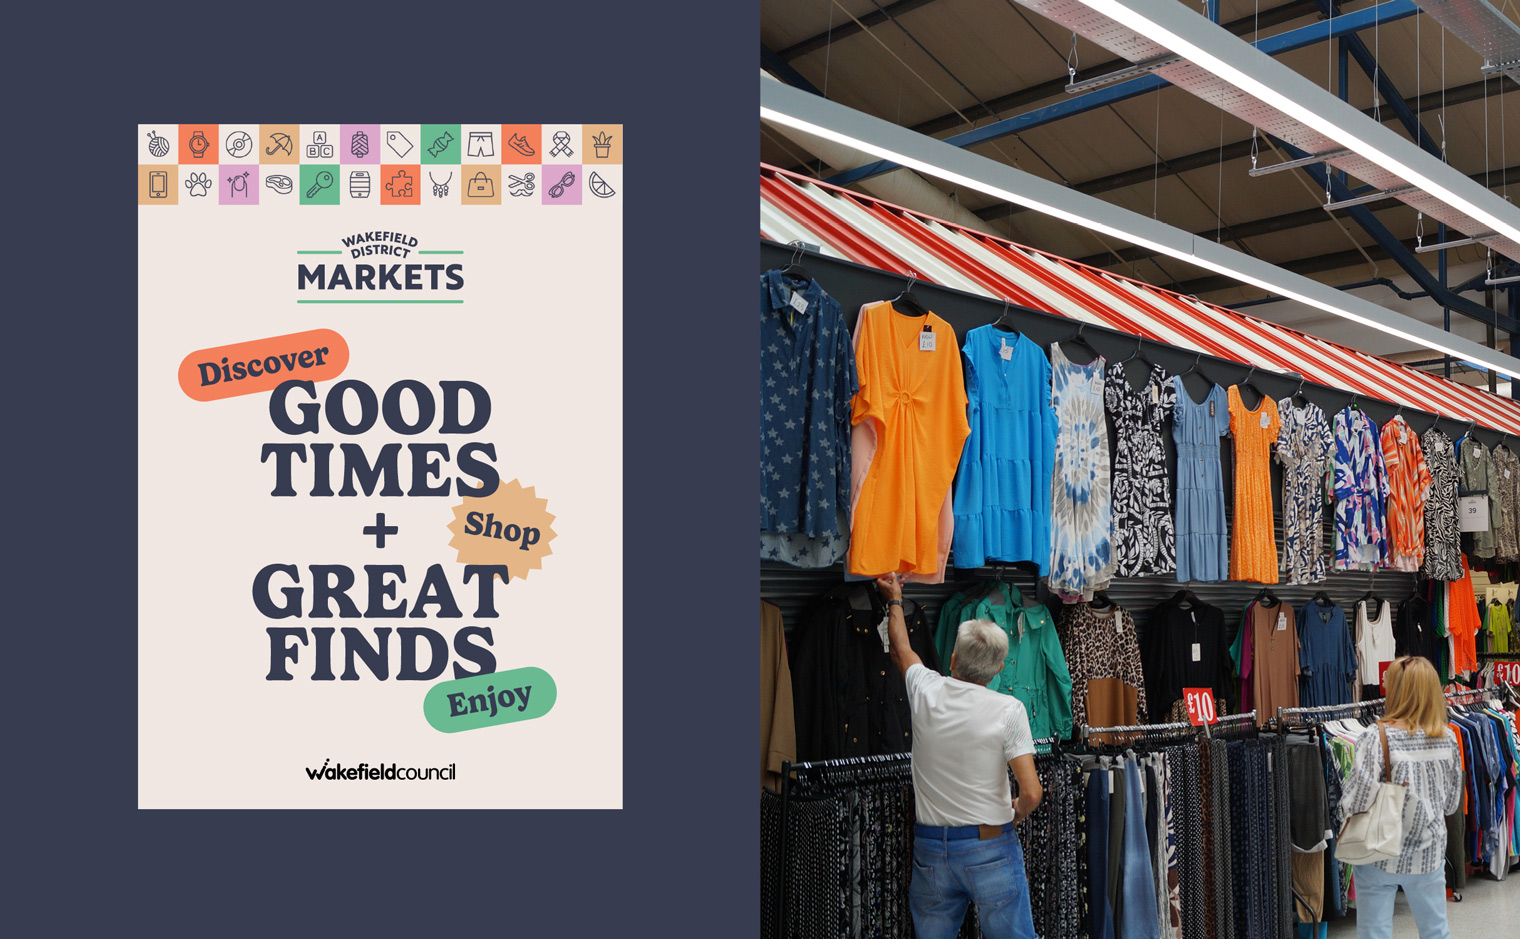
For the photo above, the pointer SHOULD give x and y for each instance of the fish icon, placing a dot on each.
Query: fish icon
(281, 144)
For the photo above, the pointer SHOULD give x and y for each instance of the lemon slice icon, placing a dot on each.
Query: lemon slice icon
(599, 187)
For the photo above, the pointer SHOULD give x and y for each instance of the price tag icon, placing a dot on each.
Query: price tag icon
(1200, 705)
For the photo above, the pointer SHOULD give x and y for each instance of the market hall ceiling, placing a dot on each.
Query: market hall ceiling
(945, 67)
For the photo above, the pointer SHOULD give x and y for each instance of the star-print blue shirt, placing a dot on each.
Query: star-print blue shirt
(807, 379)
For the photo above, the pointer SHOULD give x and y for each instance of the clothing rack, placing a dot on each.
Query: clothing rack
(1329, 711)
(1471, 694)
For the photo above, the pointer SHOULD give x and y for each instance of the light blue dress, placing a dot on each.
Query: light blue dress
(1081, 510)
(1203, 545)
(1002, 488)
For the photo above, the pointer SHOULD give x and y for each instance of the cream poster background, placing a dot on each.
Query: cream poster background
(541, 330)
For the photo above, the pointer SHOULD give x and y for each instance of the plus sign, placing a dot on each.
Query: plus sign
(380, 530)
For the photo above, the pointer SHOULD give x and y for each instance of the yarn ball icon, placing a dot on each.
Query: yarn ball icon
(158, 146)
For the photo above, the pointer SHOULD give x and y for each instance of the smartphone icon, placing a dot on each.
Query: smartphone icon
(158, 184)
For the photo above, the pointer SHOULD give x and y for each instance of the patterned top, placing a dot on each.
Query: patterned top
(1303, 448)
(1361, 486)
(1476, 476)
(1408, 486)
(1002, 500)
(1081, 554)
(1253, 550)
(1431, 773)
(1443, 547)
(1103, 655)
(1145, 540)
(1507, 525)
(807, 377)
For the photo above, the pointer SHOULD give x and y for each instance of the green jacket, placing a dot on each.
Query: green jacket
(1035, 671)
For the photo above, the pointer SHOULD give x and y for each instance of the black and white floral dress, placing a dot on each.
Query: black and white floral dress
(1303, 448)
(1144, 535)
(1443, 544)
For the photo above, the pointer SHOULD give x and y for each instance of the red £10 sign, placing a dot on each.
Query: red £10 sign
(1507, 673)
(1200, 705)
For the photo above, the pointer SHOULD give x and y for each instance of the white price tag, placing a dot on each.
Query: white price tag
(1006, 351)
(799, 303)
(926, 340)
(881, 628)
(1265, 420)
(1506, 474)
(1472, 513)
(1282, 621)
(1197, 652)
(1097, 384)
(1155, 395)
(1110, 781)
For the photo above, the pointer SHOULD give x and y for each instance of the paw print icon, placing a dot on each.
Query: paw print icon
(400, 185)
(198, 183)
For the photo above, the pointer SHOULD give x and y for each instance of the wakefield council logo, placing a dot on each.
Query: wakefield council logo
(364, 771)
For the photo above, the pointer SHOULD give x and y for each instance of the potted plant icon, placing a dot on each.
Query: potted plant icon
(603, 144)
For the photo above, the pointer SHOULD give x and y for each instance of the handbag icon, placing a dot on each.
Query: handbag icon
(480, 186)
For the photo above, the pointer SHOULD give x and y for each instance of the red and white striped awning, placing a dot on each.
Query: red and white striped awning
(868, 231)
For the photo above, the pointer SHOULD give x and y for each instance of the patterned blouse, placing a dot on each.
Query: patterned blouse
(1145, 541)
(1103, 654)
(1361, 488)
(1081, 511)
(1507, 478)
(1443, 546)
(1408, 486)
(1476, 476)
(1431, 772)
(1303, 448)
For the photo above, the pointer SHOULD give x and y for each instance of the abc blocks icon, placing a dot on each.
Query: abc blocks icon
(319, 148)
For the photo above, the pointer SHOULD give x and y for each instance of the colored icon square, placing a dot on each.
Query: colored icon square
(359, 143)
(279, 143)
(320, 183)
(522, 144)
(480, 184)
(601, 143)
(561, 185)
(238, 184)
(604, 182)
(197, 144)
(400, 185)
(157, 143)
(198, 185)
(562, 143)
(157, 184)
(440, 143)
(240, 143)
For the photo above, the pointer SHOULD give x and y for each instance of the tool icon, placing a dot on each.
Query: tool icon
(238, 182)
(198, 144)
(158, 184)
(400, 185)
(440, 144)
(158, 146)
(520, 143)
(521, 185)
(323, 180)
(280, 184)
(558, 189)
(198, 183)
(398, 143)
(281, 145)
(239, 144)
(599, 187)
(358, 184)
(562, 144)
(319, 148)
(440, 189)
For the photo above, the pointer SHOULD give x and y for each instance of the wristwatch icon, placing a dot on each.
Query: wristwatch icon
(198, 144)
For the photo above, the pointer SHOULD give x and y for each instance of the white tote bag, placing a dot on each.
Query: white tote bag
(1378, 833)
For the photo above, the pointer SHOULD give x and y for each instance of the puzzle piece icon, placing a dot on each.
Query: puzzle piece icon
(400, 185)
(198, 183)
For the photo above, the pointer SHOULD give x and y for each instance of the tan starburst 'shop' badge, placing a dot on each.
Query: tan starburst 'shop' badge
(510, 528)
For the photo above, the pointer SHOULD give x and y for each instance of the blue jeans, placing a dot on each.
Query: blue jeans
(947, 874)
(1375, 890)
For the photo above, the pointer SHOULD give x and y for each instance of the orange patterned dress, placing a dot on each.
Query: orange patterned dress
(1253, 549)
(1409, 483)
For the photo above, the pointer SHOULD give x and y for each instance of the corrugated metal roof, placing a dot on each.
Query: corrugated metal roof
(875, 233)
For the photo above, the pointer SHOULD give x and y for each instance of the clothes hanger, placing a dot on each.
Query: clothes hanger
(1323, 598)
(1002, 321)
(910, 304)
(1266, 593)
(1298, 393)
(1251, 385)
(1101, 601)
(1139, 341)
(1079, 339)
(793, 268)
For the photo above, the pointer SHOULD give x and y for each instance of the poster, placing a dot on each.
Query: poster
(379, 376)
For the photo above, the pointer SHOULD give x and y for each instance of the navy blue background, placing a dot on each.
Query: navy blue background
(681, 858)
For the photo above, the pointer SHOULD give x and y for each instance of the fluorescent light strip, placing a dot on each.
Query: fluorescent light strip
(1141, 24)
(939, 172)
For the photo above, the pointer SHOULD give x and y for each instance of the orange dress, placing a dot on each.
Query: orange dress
(1462, 622)
(910, 426)
(1253, 549)
(1409, 481)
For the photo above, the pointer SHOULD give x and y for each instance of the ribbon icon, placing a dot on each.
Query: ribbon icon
(562, 144)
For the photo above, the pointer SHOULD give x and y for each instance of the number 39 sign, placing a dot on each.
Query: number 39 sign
(1507, 673)
(1200, 705)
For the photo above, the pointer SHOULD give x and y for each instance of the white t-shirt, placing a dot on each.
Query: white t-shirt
(963, 737)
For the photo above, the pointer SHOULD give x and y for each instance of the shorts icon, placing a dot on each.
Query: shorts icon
(480, 144)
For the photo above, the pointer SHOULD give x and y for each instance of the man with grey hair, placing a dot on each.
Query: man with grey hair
(965, 739)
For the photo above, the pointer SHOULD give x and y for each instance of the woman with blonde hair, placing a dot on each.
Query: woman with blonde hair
(1425, 761)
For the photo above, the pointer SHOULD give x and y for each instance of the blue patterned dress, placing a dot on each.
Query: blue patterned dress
(1081, 512)
(1203, 544)
(1361, 491)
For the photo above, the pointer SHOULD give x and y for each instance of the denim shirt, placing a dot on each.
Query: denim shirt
(807, 379)
(1035, 670)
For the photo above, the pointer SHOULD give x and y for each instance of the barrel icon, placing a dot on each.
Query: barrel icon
(358, 184)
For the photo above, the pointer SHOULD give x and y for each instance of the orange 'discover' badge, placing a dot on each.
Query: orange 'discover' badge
(245, 368)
